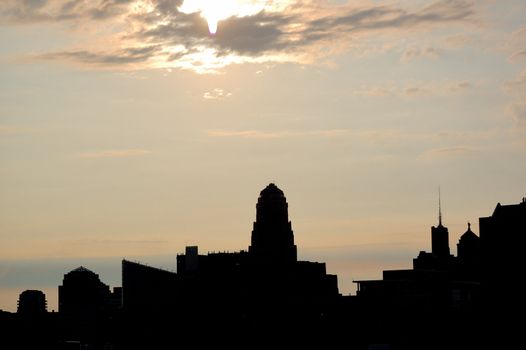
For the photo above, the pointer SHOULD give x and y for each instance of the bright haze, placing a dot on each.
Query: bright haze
(130, 129)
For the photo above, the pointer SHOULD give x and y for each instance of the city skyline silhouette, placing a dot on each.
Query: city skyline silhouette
(267, 290)
(137, 136)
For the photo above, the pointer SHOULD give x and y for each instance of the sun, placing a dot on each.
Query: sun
(214, 11)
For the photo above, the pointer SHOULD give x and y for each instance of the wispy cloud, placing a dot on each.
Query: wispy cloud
(35, 11)
(375, 91)
(518, 111)
(517, 88)
(438, 88)
(258, 134)
(515, 46)
(115, 153)
(127, 55)
(384, 136)
(517, 56)
(460, 86)
(418, 89)
(413, 53)
(518, 83)
(449, 152)
(216, 94)
(246, 134)
(6, 130)
(456, 41)
(156, 33)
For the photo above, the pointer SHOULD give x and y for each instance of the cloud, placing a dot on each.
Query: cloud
(6, 130)
(438, 89)
(115, 153)
(516, 45)
(122, 56)
(375, 91)
(216, 94)
(519, 81)
(257, 134)
(157, 34)
(413, 89)
(517, 88)
(35, 11)
(449, 152)
(386, 136)
(325, 25)
(456, 41)
(460, 86)
(246, 134)
(376, 136)
(518, 111)
(517, 56)
(414, 53)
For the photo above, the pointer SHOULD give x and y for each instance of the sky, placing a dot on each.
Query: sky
(133, 128)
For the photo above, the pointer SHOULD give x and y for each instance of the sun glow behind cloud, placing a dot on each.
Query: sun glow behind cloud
(214, 11)
(143, 34)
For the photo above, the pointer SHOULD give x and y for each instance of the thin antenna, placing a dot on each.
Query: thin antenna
(439, 209)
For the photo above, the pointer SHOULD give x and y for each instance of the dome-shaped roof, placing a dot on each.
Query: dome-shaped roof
(81, 273)
(271, 191)
(82, 269)
(469, 235)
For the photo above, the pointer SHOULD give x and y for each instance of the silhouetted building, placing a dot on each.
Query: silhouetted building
(468, 298)
(502, 255)
(500, 235)
(468, 247)
(265, 296)
(439, 296)
(32, 302)
(440, 241)
(115, 301)
(272, 237)
(468, 256)
(82, 293)
(147, 288)
(440, 258)
(261, 289)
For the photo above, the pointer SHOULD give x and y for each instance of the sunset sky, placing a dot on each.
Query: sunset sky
(128, 130)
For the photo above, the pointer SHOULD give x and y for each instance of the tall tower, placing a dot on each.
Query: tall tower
(272, 237)
(440, 235)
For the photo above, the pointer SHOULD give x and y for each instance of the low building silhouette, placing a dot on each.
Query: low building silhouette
(86, 307)
(82, 293)
(32, 303)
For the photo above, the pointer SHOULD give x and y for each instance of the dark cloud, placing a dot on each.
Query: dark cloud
(253, 35)
(377, 18)
(294, 30)
(269, 32)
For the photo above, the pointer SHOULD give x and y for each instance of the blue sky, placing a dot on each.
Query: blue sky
(127, 130)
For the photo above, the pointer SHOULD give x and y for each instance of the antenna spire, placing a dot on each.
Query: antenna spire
(439, 209)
